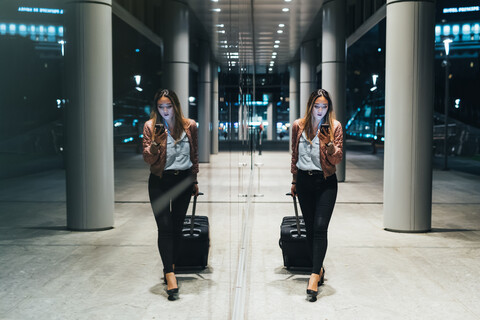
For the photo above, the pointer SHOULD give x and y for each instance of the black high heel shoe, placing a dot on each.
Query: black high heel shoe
(312, 295)
(322, 278)
(172, 293)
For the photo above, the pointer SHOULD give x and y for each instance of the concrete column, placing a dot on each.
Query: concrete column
(307, 73)
(293, 96)
(214, 109)
(89, 115)
(173, 23)
(241, 121)
(204, 103)
(409, 94)
(272, 126)
(333, 63)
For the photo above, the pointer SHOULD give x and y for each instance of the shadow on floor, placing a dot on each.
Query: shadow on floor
(51, 228)
(440, 230)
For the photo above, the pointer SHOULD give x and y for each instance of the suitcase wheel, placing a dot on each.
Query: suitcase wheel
(286, 263)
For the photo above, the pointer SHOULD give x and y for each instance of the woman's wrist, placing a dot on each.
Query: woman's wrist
(154, 148)
(330, 148)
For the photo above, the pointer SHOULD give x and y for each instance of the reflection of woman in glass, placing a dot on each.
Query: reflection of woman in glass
(317, 143)
(170, 147)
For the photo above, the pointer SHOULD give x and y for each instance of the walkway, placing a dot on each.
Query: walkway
(48, 272)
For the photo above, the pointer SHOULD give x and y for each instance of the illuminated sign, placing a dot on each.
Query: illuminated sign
(461, 9)
(49, 33)
(459, 31)
(40, 10)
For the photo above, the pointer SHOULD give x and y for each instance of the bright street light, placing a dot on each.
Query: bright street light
(446, 44)
(446, 64)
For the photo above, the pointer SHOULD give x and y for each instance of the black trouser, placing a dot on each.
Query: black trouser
(170, 197)
(316, 196)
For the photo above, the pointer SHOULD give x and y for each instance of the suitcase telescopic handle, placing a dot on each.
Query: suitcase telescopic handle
(192, 221)
(297, 219)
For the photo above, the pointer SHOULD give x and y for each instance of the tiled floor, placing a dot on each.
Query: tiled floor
(48, 272)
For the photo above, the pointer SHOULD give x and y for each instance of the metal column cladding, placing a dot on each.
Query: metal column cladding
(408, 115)
(89, 115)
(333, 63)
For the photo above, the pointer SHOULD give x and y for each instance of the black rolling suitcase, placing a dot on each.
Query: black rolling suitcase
(195, 242)
(293, 241)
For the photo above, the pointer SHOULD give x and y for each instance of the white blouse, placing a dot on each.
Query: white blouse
(178, 154)
(309, 154)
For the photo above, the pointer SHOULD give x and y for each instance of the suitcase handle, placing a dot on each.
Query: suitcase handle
(196, 232)
(192, 220)
(295, 235)
(299, 232)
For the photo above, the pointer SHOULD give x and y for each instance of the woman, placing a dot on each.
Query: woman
(170, 147)
(317, 143)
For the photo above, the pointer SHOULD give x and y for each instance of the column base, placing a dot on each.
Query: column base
(89, 230)
(407, 231)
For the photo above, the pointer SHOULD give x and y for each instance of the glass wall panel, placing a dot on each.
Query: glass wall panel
(32, 92)
(31, 99)
(366, 88)
(137, 69)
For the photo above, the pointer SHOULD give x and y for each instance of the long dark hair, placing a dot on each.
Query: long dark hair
(329, 117)
(180, 120)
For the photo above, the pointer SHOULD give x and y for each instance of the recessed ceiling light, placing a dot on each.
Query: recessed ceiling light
(216, 9)
(281, 25)
(276, 46)
(279, 31)
(270, 69)
(274, 53)
(285, 9)
(220, 25)
(277, 41)
(285, 0)
(217, 0)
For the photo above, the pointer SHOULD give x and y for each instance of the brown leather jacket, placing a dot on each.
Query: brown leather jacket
(327, 161)
(157, 161)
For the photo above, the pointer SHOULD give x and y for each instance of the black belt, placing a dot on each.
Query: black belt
(176, 172)
(311, 172)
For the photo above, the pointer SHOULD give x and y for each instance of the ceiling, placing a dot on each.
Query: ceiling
(277, 29)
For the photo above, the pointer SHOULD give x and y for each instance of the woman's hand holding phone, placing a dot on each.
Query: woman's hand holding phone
(159, 129)
(324, 134)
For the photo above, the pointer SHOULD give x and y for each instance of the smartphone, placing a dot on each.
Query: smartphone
(324, 127)
(159, 128)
